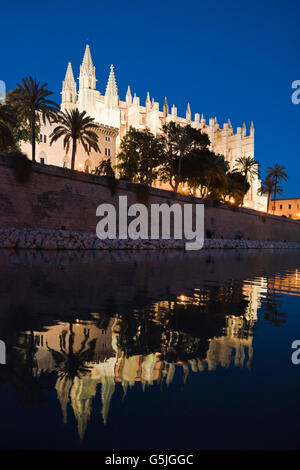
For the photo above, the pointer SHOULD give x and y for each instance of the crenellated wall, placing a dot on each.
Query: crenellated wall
(54, 197)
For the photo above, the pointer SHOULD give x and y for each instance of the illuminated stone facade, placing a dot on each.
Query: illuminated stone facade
(289, 208)
(116, 116)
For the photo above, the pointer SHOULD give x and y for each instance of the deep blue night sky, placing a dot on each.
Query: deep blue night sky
(233, 59)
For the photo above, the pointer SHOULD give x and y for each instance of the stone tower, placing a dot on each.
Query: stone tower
(111, 110)
(87, 93)
(69, 90)
(111, 93)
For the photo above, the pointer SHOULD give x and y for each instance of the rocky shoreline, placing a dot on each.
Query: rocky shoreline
(46, 239)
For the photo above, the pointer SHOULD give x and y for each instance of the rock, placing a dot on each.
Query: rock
(71, 240)
(49, 244)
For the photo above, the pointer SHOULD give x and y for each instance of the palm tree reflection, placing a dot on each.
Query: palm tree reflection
(205, 328)
(70, 363)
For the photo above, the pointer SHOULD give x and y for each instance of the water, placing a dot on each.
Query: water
(149, 350)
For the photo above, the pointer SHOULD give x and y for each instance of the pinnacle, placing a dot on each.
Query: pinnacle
(87, 58)
(69, 81)
(111, 87)
(111, 93)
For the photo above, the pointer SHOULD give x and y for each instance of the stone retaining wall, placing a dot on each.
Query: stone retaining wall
(55, 197)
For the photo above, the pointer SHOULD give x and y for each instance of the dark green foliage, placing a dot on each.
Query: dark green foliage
(236, 187)
(267, 187)
(18, 122)
(7, 124)
(204, 170)
(76, 127)
(275, 175)
(249, 168)
(31, 101)
(180, 157)
(180, 142)
(105, 169)
(141, 154)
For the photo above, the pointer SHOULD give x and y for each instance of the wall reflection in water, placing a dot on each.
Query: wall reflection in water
(146, 347)
(145, 344)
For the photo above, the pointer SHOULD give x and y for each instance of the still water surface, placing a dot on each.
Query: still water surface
(149, 350)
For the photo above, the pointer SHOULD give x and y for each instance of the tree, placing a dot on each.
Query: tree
(204, 170)
(105, 169)
(277, 174)
(267, 187)
(179, 143)
(18, 123)
(31, 100)
(76, 127)
(235, 187)
(7, 122)
(129, 157)
(249, 168)
(141, 154)
(215, 175)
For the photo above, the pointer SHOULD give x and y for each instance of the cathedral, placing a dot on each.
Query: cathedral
(115, 117)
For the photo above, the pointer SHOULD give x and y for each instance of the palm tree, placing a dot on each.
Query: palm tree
(76, 126)
(277, 174)
(249, 168)
(267, 187)
(33, 103)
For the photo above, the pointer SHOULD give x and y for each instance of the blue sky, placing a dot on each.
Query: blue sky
(230, 59)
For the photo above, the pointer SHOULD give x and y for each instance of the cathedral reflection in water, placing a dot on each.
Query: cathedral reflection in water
(147, 347)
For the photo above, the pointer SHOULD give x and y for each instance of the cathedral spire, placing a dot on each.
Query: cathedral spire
(69, 91)
(87, 59)
(69, 77)
(111, 94)
(165, 108)
(188, 113)
(128, 96)
(148, 102)
(87, 77)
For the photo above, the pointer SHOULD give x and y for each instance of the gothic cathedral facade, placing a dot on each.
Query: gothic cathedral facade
(115, 117)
